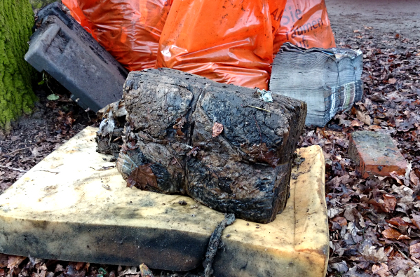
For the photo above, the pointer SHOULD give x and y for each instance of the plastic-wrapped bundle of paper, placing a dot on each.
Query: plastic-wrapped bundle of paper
(328, 80)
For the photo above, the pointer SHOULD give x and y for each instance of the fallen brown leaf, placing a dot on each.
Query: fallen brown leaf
(416, 220)
(414, 179)
(381, 270)
(398, 262)
(389, 203)
(416, 260)
(356, 123)
(370, 253)
(217, 129)
(415, 250)
(365, 118)
(376, 205)
(14, 261)
(79, 265)
(340, 220)
(374, 127)
(397, 221)
(142, 177)
(396, 177)
(391, 233)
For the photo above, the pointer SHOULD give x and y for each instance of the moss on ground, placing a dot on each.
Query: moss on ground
(16, 95)
(38, 4)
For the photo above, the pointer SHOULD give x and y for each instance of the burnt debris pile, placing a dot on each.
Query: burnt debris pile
(220, 144)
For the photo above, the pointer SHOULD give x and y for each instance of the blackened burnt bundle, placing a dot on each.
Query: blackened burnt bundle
(220, 144)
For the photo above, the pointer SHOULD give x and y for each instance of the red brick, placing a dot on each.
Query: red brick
(375, 153)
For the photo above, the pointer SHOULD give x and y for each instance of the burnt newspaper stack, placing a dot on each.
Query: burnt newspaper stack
(220, 144)
(328, 80)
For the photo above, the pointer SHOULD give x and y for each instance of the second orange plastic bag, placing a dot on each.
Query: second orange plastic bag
(226, 41)
(128, 29)
(303, 23)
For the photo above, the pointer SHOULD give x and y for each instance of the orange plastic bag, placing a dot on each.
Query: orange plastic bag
(303, 23)
(80, 17)
(129, 29)
(226, 41)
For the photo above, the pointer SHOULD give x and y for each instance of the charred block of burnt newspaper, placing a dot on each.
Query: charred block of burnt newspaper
(220, 144)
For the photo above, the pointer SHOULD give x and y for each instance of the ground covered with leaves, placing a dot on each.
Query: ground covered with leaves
(374, 222)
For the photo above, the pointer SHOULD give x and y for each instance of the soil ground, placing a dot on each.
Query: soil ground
(364, 213)
(384, 16)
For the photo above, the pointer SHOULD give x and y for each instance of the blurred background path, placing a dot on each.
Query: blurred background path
(399, 16)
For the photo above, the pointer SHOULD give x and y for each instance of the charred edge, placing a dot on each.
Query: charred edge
(281, 192)
(297, 118)
(193, 105)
